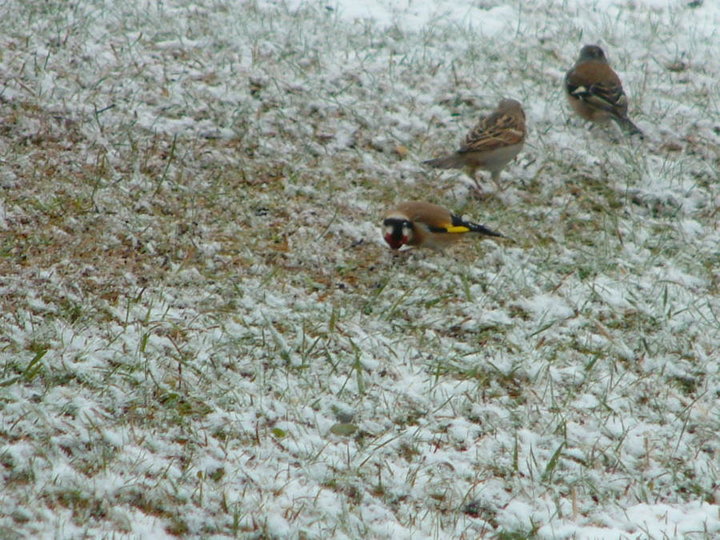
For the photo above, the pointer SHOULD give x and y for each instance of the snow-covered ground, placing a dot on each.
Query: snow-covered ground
(202, 333)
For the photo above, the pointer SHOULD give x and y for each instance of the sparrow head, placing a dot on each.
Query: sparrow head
(513, 108)
(510, 105)
(591, 52)
(398, 231)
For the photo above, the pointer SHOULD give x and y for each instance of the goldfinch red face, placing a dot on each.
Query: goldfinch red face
(398, 232)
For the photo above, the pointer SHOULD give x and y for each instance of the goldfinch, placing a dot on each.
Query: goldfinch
(595, 92)
(491, 144)
(421, 224)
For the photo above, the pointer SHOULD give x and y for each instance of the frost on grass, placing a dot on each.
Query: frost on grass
(203, 334)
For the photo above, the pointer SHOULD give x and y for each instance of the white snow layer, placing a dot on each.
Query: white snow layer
(288, 378)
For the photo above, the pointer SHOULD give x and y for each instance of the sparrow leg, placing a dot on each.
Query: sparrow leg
(472, 173)
(478, 186)
(481, 194)
(495, 175)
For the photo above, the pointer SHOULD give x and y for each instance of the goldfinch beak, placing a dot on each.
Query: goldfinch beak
(397, 234)
(394, 241)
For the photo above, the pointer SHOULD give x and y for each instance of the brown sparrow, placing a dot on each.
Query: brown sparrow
(491, 144)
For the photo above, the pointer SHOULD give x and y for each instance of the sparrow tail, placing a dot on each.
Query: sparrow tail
(453, 161)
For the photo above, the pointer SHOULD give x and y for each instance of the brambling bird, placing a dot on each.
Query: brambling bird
(491, 144)
(421, 224)
(595, 92)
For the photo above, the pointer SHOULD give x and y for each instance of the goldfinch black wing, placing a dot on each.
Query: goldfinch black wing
(460, 226)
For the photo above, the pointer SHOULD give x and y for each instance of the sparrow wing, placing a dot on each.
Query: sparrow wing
(498, 130)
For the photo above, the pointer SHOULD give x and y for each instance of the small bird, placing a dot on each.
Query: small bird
(595, 92)
(422, 224)
(491, 144)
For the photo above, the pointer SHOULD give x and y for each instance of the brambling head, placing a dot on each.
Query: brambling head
(591, 52)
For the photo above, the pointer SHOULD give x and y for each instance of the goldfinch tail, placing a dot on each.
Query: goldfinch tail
(481, 229)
